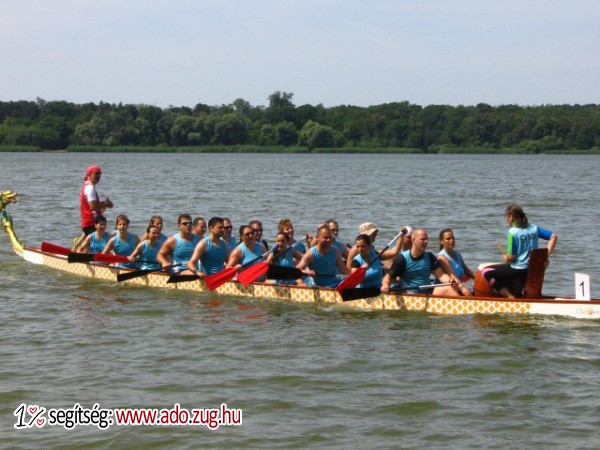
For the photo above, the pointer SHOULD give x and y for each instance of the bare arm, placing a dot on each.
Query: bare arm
(552, 243)
(135, 253)
(343, 268)
(198, 252)
(85, 245)
(109, 246)
(165, 252)
(235, 257)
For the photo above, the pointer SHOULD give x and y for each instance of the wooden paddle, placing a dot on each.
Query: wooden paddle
(356, 277)
(82, 257)
(257, 270)
(138, 273)
(216, 279)
(368, 292)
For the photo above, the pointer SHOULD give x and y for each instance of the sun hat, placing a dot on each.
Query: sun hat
(367, 228)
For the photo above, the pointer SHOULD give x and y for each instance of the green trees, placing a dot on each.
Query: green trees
(57, 124)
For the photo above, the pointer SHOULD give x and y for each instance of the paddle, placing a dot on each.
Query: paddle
(356, 277)
(368, 292)
(215, 280)
(138, 273)
(257, 270)
(82, 257)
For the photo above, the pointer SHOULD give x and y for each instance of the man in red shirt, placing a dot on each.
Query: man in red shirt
(90, 203)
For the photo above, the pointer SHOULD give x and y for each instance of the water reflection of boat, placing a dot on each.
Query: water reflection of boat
(411, 302)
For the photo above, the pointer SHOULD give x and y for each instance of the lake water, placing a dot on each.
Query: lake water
(305, 376)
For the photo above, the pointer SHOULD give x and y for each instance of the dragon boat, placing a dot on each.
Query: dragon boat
(479, 304)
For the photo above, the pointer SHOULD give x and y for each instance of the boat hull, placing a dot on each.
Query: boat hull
(408, 302)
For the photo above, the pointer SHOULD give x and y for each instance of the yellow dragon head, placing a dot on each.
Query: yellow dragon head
(6, 198)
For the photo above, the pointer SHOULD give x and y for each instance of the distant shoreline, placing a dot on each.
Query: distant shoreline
(290, 150)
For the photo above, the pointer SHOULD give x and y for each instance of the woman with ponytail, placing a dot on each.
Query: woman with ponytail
(508, 279)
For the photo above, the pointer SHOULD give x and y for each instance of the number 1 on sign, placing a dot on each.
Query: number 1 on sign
(582, 286)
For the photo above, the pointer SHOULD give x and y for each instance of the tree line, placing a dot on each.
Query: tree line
(433, 128)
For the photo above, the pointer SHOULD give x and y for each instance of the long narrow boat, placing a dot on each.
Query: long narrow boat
(410, 302)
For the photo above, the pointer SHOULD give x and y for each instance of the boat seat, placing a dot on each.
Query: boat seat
(533, 282)
(535, 273)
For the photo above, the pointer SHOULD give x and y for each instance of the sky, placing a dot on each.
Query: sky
(333, 52)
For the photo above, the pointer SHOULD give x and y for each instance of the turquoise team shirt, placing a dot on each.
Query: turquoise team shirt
(325, 265)
(213, 258)
(249, 255)
(374, 274)
(286, 260)
(182, 252)
(456, 264)
(148, 256)
(96, 244)
(520, 242)
(124, 248)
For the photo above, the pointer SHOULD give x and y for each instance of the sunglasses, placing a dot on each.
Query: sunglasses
(227, 228)
(249, 233)
(185, 224)
(258, 230)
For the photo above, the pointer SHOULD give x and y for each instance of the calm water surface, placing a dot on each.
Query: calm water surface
(304, 375)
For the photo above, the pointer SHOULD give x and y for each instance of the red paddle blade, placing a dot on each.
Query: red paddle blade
(217, 279)
(110, 259)
(253, 273)
(354, 279)
(56, 249)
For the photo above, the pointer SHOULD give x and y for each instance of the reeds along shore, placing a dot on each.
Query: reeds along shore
(284, 150)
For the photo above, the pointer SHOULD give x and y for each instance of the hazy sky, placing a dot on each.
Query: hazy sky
(368, 52)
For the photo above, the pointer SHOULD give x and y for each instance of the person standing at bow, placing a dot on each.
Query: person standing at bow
(177, 250)
(90, 205)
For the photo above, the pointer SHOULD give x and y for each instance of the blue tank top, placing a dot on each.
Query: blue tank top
(96, 244)
(299, 246)
(520, 242)
(325, 265)
(249, 255)
(182, 251)
(124, 248)
(374, 274)
(161, 240)
(148, 256)
(286, 260)
(456, 264)
(417, 271)
(213, 259)
(232, 243)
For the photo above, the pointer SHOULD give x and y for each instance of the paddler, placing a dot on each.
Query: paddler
(286, 226)
(247, 250)
(285, 256)
(148, 249)
(323, 260)
(95, 242)
(212, 251)
(178, 249)
(413, 268)
(227, 233)
(452, 261)
(123, 243)
(370, 230)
